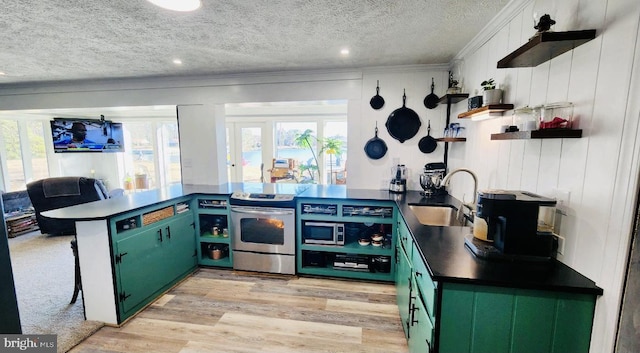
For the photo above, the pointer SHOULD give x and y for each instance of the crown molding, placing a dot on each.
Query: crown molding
(502, 19)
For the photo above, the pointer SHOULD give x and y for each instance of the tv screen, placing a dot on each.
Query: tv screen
(86, 135)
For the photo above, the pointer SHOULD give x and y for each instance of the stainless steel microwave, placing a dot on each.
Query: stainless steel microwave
(324, 233)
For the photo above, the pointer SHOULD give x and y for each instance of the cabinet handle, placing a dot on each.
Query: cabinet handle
(160, 234)
(413, 313)
(168, 232)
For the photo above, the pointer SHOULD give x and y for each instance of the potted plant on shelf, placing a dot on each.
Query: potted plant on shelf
(490, 94)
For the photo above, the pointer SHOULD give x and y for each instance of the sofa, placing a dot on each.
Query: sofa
(52, 193)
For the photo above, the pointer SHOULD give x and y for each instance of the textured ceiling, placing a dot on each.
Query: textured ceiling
(47, 40)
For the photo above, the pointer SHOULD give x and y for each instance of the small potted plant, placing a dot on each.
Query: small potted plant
(490, 94)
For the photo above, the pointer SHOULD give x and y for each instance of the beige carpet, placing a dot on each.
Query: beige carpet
(43, 269)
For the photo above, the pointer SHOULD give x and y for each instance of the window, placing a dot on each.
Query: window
(24, 155)
(154, 156)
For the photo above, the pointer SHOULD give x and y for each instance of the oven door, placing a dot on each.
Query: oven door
(264, 229)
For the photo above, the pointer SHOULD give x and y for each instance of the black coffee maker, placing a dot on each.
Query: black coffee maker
(514, 224)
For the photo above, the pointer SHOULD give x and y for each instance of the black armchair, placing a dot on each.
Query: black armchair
(51, 193)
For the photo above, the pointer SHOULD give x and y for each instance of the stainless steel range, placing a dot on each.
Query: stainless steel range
(263, 218)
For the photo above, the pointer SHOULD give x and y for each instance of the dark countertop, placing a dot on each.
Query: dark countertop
(442, 248)
(449, 260)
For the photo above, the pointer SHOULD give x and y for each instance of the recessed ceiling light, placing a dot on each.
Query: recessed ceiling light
(2, 73)
(177, 5)
(177, 61)
(344, 51)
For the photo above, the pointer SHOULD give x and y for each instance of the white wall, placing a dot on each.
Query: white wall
(600, 170)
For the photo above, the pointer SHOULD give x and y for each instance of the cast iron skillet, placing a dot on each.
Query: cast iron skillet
(377, 101)
(375, 148)
(428, 144)
(431, 101)
(403, 123)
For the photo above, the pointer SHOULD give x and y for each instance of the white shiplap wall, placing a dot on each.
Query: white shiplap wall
(600, 170)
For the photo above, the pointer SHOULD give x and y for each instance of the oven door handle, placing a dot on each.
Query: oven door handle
(262, 211)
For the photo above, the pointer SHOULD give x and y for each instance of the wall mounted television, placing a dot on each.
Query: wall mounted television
(86, 135)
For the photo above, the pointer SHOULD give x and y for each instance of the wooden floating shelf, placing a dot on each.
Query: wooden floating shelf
(492, 109)
(544, 47)
(538, 134)
(453, 98)
(451, 139)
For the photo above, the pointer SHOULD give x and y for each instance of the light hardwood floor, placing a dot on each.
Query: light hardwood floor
(228, 311)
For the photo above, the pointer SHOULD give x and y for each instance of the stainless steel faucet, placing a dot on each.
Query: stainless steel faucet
(447, 178)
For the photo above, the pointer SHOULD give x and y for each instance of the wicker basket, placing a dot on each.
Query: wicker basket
(158, 215)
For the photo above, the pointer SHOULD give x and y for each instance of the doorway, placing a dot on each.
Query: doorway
(295, 142)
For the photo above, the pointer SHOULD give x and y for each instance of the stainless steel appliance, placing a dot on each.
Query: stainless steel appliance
(515, 225)
(324, 233)
(431, 179)
(263, 219)
(399, 182)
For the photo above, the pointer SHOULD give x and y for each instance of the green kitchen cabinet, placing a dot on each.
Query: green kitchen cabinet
(420, 323)
(403, 287)
(213, 230)
(496, 319)
(458, 317)
(152, 250)
(361, 219)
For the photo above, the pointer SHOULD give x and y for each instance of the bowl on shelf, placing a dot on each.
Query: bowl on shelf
(376, 243)
(363, 241)
(377, 237)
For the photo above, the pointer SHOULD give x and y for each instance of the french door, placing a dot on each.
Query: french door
(250, 147)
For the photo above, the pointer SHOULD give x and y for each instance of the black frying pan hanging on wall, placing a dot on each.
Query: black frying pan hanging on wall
(431, 101)
(377, 101)
(375, 148)
(403, 123)
(428, 144)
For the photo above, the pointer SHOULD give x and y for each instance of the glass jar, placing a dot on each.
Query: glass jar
(524, 119)
(557, 116)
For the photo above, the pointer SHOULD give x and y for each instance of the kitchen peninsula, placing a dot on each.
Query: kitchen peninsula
(448, 299)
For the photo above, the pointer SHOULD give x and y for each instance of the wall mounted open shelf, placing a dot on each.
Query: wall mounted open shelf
(538, 134)
(545, 46)
(491, 109)
(453, 98)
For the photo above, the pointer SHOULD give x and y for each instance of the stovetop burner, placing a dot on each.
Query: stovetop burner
(273, 195)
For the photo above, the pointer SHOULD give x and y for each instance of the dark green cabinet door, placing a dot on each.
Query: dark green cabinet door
(477, 319)
(140, 268)
(420, 327)
(403, 288)
(179, 246)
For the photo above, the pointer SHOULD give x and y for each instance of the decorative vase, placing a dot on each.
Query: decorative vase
(492, 96)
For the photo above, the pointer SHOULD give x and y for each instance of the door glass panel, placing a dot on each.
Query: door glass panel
(251, 154)
(143, 153)
(228, 155)
(292, 144)
(11, 138)
(171, 147)
(262, 231)
(39, 165)
(334, 146)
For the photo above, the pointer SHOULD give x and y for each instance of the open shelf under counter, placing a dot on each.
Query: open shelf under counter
(491, 110)
(538, 134)
(350, 248)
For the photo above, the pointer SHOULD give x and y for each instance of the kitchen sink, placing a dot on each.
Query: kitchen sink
(441, 215)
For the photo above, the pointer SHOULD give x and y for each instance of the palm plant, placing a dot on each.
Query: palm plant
(331, 146)
(304, 140)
